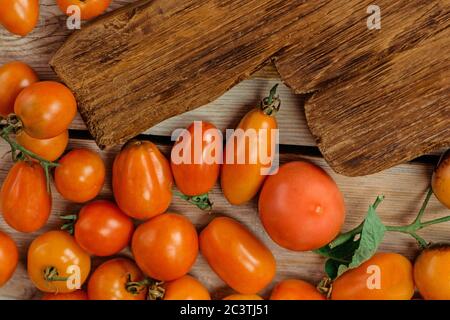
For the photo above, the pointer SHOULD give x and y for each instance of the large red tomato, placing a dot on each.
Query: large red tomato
(9, 257)
(19, 16)
(88, 8)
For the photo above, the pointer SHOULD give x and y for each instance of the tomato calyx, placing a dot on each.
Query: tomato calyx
(201, 201)
(52, 274)
(69, 224)
(155, 288)
(325, 287)
(271, 105)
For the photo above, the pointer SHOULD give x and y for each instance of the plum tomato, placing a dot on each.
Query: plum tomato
(440, 182)
(19, 16)
(293, 289)
(89, 9)
(9, 257)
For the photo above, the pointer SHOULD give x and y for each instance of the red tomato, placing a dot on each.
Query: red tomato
(14, 77)
(165, 247)
(9, 256)
(199, 173)
(49, 149)
(142, 180)
(293, 289)
(19, 16)
(301, 207)
(185, 288)
(110, 281)
(80, 175)
(237, 256)
(46, 109)
(76, 295)
(102, 229)
(88, 8)
(24, 199)
(238, 296)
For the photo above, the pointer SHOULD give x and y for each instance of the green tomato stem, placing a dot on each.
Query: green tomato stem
(201, 201)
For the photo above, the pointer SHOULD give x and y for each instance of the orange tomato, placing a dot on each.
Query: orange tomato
(9, 256)
(56, 263)
(46, 109)
(142, 180)
(199, 173)
(385, 276)
(49, 149)
(238, 296)
(76, 295)
(24, 199)
(19, 16)
(293, 289)
(165, 247)
(89, 9)
(440, 181)
(185, 288)
(301, 207)
(237, 256)
(111, 279)
(80, 175)
(14, 76)
(432, 273)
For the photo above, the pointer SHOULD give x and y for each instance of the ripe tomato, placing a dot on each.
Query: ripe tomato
(301, 207)
(102, 229)
(76, 295)
(24, 199)
(49, 149)
(440, 181)
(56, 263)
(385, 276)
(142, 180)
(111, 280)
(46, 109)
(243, 297)
(165, 247)
(237, 256)
(80, 175)
(14, 77)
(88, 8)
(432, 273)
(293, 289)
(9, 256)
(195, 165)
(186, 288)
(19, 16)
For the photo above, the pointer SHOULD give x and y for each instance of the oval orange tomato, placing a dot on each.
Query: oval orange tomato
(76, 295)
(185, 288)
(49, 149)
(19, 16)
(9, 257)
(89, 9)
(293, 289)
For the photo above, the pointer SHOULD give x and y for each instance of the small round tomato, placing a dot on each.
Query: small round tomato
(89, 9)
(112, 281)
(440, 182)
(165, 247)
(102, 229)
(301, 207)
(14, 76)
(142, 180)
(76, 295)
(80, 175)
(185, 288)
(56, 263)
(293, 289)
(432, 272)
(49, 149)
(24, 199)
(9, 256)
(385, 276)
(239, 258)
(46, 109)
(238, 296)
(19, 16)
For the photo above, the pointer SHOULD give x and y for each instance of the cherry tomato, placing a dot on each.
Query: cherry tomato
(440, 181)
(386, 276)
(301, 207)
(19, 16)
(142, 180)
(196, 171)
(432, 273)
(111, 280)
(165, 247)
(9, 256)
(293, 289)
(49, 149)
(237, 256)
(24, 199)
(76, 295)
(56, 263)
(102, 229)
(46, 109)
(185, 288)
(80, 175)
(14, 77)
(88, 8)
(238, 296)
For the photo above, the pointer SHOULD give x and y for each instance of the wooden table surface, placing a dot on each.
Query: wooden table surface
(404, 186)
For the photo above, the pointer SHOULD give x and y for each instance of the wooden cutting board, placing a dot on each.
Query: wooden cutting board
(379, 95)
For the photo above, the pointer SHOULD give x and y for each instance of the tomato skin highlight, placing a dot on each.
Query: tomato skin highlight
(165, 247)
(142, 180)
(76, 295)
(49, 149)
(89, 9)
(24, 199)
(293, 289)
(301, 207)
(185, 288)
(238, 296)
(9, 257)
(14, 77)
(396, 280)
(19, 16)
(239, 258)
(198, 177)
